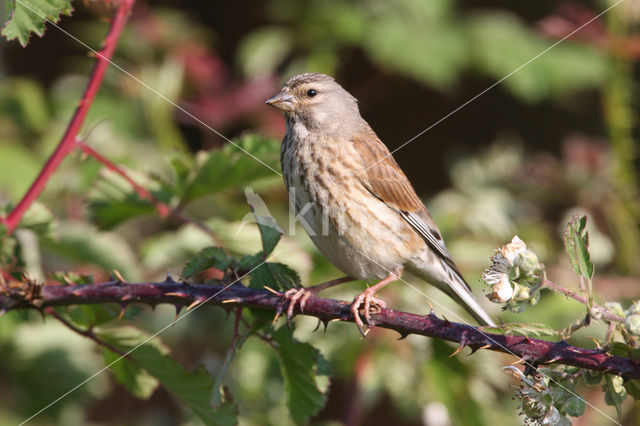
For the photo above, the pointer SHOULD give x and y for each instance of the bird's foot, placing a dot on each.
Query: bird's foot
(297, 296)
(372, 305)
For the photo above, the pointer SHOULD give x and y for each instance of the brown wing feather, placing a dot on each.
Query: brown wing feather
(385, 179)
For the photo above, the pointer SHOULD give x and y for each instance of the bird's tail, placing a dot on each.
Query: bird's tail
(458, 289)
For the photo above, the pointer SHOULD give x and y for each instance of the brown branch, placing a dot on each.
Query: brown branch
(533, 351)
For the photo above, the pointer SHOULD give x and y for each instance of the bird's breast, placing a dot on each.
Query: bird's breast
(359, 233)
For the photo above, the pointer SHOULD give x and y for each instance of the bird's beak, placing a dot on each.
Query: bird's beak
(281, 100)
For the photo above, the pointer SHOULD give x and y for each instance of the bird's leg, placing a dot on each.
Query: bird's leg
(368, 298)
(302, 294)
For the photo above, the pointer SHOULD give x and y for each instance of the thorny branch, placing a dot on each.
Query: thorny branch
(26, 295)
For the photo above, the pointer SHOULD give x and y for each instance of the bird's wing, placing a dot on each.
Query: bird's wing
(382, 176)
(385, 179)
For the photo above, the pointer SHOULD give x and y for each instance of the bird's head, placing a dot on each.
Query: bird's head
(316, 100)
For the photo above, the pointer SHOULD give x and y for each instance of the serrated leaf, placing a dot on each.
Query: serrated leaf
(193, 388)
(576, 243)
(231, 166)
(298, 363)
(614, 394)
(274, 274)
(209, 257)
(29, 16)
(574, 406)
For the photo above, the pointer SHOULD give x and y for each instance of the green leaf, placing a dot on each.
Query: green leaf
(270, 231)
(210, 257)
(633, 388)
(138, 381)
(29, 16)
(80, 242)
(501, 43)
(576, 242)
(523, 329)
(592, 378)
(299, 364)
(192, 388)
(274, 274)
(113, 200)
(91, 315)
(614, 392)
(231, 166)
(574, 406)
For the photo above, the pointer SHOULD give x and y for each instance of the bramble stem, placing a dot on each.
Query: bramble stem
(67, 143)
(532, 351)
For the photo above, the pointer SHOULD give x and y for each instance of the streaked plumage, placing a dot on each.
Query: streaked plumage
(360, 209)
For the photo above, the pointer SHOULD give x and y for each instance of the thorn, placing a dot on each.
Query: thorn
(77, 292)
(527, 340)
(598, 346)
(318, 326)
(520, 361)
(275, 318)
(177, 294)
(554, 359)
(126, 297)
(364, 332)
(231, 301)
(326, 323)
(123, 307)
(277, 293)
(169, 279)
(194, 304)
(447, 323)
(118, 276)
(178, 307)
(431, 311)
(485, 347)
(457, 351)
(403, 335)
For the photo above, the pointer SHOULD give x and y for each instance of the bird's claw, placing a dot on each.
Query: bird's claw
(371, 304)
(293, 297)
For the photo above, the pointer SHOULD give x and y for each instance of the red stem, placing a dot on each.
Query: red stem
(163, 209)
(66, 145)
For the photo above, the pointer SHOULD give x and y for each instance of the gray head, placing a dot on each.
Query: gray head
(316, 101)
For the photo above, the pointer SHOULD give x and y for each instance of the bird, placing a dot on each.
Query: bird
(355, 202)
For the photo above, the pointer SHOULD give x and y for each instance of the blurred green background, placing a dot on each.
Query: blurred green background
(557, 137)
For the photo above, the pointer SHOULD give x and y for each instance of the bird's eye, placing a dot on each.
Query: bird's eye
(311, 93)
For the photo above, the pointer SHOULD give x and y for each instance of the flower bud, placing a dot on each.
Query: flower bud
(527, 261)
(632, 324)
